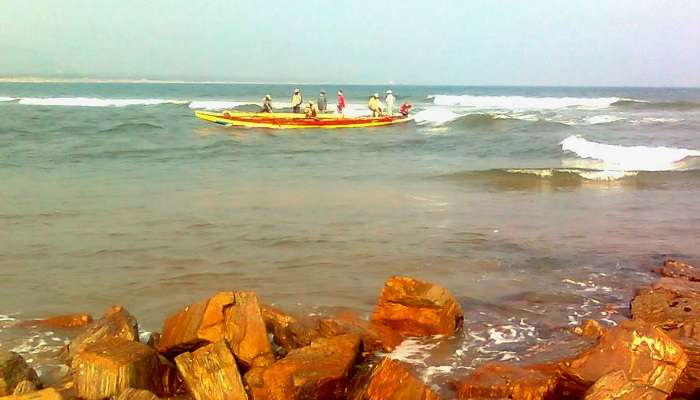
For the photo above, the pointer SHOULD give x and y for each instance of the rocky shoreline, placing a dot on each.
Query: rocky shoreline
(232, 346)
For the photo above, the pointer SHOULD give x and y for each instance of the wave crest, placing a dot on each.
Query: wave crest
(93, 102)
(522, 102)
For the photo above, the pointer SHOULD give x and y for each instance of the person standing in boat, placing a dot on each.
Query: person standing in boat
(267, 104)
(390, 100)
(297, 99)
(341, 102)
(322, 102)
(374, 105)
(310, 110)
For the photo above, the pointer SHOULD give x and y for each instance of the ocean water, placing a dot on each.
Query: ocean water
(536, 207)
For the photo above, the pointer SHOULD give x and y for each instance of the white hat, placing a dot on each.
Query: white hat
(376, 95)
(388, 91)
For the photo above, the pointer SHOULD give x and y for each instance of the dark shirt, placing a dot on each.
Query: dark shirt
(322, 103)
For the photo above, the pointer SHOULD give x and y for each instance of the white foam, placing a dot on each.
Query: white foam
(628, 158)
(522, 102)
(603, 119)
(7, 99)
(214, 104)
(435, 116)
(93, 102)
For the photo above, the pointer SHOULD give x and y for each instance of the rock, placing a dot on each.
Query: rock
(70, 321)
(318, 371)
(416, 308)
(171, 382)
(644, 353)
(590, 329)
(374, 336)
(115, 323)
(136, 394)
(287, 331)
(672, 304)
(617, 386)
(677, 269)
(244, 328)
(46, 394)
(390, 380)
(211, 373)
(501, 380)
(688, 384)
(106, 368)
(194, 326)
(25, 387)
(13, 370)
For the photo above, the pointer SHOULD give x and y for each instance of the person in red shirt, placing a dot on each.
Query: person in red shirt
(341, 102)
(405, 108)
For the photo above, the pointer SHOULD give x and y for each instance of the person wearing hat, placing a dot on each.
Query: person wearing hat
(296, 101)
(310, 110)
(267, 104)
(322, 102)
(390, 100)
(341, 102)
(375, 105)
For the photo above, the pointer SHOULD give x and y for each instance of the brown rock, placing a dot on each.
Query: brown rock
(688, 384)
(390, 380)
(13, 370)
(677, 269)
(289, 332)
(416, 308)
(672, 304)
(46, 394)
(502, 380)
(195, 325)
(115, 323)
(644, 353)
(374, 336)
(69, 321)
(211, 373)
(590, 329)
(25, 387)
(617, 386)
(318, 371)
(106, 368)
(244, 328)
(136, 394)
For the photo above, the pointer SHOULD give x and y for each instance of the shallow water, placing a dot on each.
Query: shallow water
(142, 205)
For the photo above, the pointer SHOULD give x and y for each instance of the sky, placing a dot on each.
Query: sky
(474, 42)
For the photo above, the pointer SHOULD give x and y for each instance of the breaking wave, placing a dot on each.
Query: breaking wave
(7, 98)
(630, 104)
(442, 117)
(93, 102)
(215, 105)
(522, 102)
(630, 158)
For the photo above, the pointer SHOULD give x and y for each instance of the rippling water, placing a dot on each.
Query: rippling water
(536, 207)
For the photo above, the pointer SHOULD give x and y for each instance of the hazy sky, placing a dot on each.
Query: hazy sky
(489, 42)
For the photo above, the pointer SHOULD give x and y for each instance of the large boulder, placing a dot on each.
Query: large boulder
(13, 370)
(195, 325)
(211, 373)
(244, 328)
(644, 353)
(318, 371)
(106, 368)
(677, 269)
(416, 308)
(391, 380)
(116, 322)
(501, 380)
(617, 386)
(287, 331)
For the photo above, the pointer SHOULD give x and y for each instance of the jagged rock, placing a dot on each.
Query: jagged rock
(501, 380)
(106, 368)
(244, 328)
(69, 321)
(688, 384)
(644, 353)
(136, 394)
(617, 386)
(590, 329)
(195, 325)
(671, 304)
(287, 331)
(374, 336)
(115, 323)
(416, 308)
(677, 269)
(211, 373)
(318, 371)
(13, 370)
(390, 380)
(46, 394)
(171, 382)
(25, 387)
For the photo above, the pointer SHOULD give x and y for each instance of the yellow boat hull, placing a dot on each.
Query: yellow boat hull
(297, 121)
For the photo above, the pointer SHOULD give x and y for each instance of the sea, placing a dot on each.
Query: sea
(537, 207)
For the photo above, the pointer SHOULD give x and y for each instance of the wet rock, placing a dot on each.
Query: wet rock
(69, 321)
(374, 336)
(617, 386)
(677, 269)
(391, 380)
(688, 384)
(106, 368)
(644, 353)
(136, 394)
(171, 382)
(502, 380)
(245, 330)
(318, 371)
(416, 308)
(211, 373)
(13, 370)
(115, 323)
(25, 387)
(195, 325)
(672, 304)
(46, 394)
(289, 332)
(590, 329)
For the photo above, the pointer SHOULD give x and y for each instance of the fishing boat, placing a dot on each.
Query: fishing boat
(290, 121)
